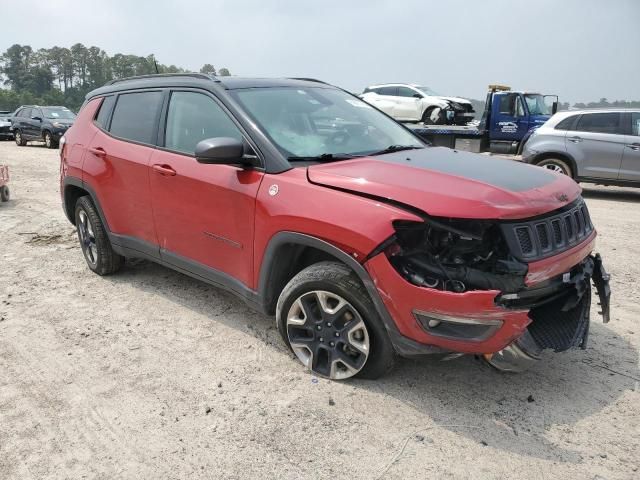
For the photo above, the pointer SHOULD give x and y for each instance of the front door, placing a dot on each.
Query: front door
(204, 214)
(630, 168)
(509, 117)
(597, 144)
(34, 123)
(407, 104)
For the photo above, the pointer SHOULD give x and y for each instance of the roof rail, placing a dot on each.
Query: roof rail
(160, 75)
(308, 79)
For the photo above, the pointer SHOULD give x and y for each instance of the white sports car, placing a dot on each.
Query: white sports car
(414, 103)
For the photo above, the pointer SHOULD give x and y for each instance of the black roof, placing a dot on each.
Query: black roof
(201, 80)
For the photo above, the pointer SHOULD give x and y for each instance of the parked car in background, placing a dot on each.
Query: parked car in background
(313, 206)
(43, 124)
(5, 125)
(600, 146)
(414, 103)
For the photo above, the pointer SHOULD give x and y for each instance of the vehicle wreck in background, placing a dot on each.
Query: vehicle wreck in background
(414, 103)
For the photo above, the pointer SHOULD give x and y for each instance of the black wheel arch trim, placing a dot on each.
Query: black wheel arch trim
(133, 247)
(404, 346)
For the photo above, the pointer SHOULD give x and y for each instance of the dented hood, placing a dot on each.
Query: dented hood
(448, 183)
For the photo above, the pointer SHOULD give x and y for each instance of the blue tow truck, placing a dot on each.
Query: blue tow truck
(507, 121)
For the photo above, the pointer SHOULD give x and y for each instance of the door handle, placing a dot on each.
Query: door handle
(634, 146)
(575, 139)
(98, 152)
(165, 170)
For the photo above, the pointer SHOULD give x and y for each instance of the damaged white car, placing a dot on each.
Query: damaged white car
(415, 103)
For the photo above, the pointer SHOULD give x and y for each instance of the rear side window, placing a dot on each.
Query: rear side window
(25, 112)
(105, 110)
(193, 117)
(567, 123)
(136, 115)
(390, 91)
(599, 123)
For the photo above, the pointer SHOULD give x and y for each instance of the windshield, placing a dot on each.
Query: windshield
(428, 91)
(315, 121)
(537, 104)
(58, 113)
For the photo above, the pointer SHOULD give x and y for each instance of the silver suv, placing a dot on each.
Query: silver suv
(599, 146)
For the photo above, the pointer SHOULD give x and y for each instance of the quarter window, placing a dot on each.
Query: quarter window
(193, 117)
(135, 116)
(567, 123)
(599, 123)
(105, 110)
(635, 124)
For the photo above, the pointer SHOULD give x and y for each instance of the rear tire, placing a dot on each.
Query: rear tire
(97, 250)
(328, 316)
(20, 141)
(5, 194)
(556, 165)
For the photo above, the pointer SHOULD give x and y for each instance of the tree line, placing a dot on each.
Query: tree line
(63, 76)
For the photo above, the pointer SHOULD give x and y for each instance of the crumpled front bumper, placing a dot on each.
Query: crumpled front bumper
(486, 322)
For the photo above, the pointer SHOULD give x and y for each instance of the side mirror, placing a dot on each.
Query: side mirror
(554, 108)
(36, 118)
(417, 95)
(224, 151)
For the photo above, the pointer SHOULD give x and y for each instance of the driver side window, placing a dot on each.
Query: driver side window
(193, 117)
(406, 92)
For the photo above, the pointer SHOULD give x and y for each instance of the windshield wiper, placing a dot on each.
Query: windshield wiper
(324, 157)
(396, 148)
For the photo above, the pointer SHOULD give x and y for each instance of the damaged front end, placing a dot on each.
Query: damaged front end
(468, 257)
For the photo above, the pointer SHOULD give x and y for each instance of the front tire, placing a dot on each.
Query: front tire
(556, 165)
(434, 116)
(326, 317)
(48, 140)
(97, 250)
(5, 194)
(20, 141)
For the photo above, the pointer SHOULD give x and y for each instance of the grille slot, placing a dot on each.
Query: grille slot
(549, 235)
(543, 236)
(524, 238)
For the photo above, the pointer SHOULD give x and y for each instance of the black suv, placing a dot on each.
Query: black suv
(44, 124)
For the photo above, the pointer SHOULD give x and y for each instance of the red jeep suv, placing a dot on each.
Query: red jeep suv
(310, 204)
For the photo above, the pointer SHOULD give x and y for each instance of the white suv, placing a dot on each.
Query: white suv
(413, 103)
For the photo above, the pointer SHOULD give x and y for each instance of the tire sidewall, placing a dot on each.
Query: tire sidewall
(380, 344)
(558, 162)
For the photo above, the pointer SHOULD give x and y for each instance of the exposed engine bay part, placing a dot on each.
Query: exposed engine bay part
(454, 255)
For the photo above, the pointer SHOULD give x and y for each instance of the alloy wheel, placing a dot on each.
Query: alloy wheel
(555, 168)
(47, 140)
(87, 238)
(328, 335)
(18, 137)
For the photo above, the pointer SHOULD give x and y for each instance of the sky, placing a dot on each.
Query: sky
(582, 50)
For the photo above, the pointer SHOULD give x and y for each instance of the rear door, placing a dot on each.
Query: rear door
(23, 118)
(597, 144)
(630, 168)
(204, 214)
(116, 166)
